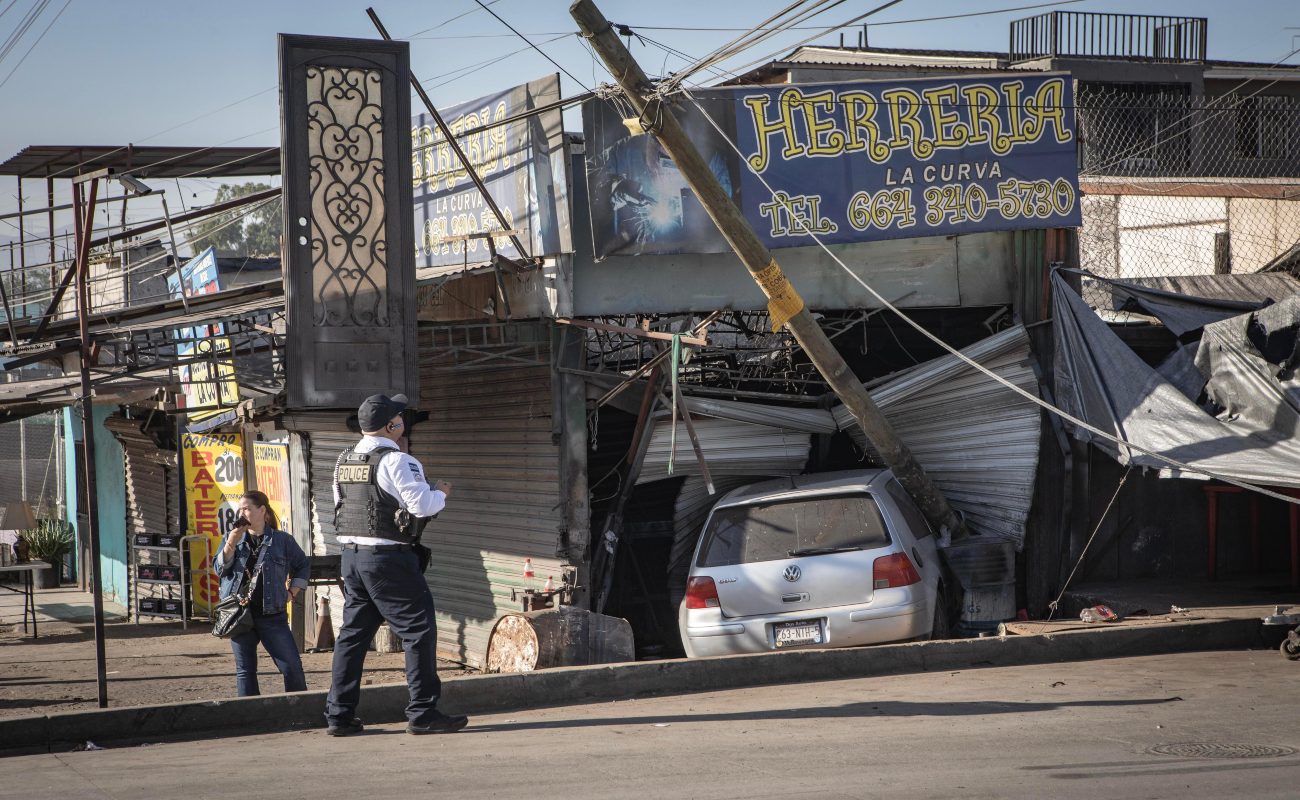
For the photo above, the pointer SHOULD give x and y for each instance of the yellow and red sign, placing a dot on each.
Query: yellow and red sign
(271, 460)
(214, 482)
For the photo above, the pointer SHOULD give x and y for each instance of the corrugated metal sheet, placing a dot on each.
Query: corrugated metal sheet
(730, 448)
(976, 438)
(489, 435)
(809, 420)
(690, 511)
(328, 438)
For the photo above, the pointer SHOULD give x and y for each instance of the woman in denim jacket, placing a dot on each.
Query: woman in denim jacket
(283, 564)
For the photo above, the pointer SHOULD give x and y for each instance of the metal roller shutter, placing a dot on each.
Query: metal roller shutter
(152, 490)
(489, 435)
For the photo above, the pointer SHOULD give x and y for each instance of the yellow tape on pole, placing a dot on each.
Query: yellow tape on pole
(783, 302)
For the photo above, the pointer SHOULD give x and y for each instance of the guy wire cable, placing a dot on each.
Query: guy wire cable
(980, 367)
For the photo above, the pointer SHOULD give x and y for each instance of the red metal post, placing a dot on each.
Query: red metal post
(84, 225)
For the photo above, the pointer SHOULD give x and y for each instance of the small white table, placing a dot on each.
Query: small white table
(28, 568)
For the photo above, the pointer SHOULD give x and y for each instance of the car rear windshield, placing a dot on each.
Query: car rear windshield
(769, 531)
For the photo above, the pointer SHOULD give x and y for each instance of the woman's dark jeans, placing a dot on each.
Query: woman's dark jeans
(274, 634)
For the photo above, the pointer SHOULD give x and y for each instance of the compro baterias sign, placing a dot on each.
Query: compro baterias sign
(214, 482)
(848, 162)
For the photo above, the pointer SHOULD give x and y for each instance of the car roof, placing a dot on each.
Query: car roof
(806, 485)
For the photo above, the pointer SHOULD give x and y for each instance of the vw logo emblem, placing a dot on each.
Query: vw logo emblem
(792, 573)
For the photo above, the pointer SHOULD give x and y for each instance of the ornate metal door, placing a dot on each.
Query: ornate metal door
(345, 118)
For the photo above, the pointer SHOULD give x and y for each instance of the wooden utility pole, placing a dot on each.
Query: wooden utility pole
(784, 303)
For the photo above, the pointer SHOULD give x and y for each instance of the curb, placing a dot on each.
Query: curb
(482, 694)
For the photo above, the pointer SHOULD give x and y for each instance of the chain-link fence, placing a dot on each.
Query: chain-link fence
(32, 466)
(31, 463)
(1176, 184)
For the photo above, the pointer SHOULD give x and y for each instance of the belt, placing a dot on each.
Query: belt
(376, 547)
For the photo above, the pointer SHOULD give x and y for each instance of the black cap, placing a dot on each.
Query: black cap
(378, 410)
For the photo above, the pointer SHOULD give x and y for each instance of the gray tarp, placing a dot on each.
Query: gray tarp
(1100, 380)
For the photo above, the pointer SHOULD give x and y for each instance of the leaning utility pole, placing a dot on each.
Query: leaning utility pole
(784, 303)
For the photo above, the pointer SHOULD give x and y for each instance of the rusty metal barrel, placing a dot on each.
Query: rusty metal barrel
(557, 637)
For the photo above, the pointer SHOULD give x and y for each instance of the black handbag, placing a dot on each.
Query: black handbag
(232, 616)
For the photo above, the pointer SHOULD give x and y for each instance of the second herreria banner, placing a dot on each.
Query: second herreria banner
(849, 162)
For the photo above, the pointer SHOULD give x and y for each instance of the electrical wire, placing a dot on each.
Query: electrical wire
(1046, 406)
(530, 44)
(453, 19)
(874, 24)
(34, 44)
(24, 25)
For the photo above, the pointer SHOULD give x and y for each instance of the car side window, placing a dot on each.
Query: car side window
(911, 514)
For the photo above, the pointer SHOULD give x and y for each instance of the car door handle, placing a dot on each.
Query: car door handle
(801, 597)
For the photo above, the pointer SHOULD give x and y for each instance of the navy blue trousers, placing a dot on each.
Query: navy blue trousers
(274, 634)
(385, 585)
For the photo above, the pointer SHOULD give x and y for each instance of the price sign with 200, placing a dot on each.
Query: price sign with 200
(1040, 199)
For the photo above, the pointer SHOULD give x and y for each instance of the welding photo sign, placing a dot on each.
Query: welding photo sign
(849, 162)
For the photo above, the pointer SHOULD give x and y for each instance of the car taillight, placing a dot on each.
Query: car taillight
(701, 593)
(893, 571)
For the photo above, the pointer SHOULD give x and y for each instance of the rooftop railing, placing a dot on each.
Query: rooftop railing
(1120, 36)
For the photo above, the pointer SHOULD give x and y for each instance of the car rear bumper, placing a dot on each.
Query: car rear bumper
(705, 632)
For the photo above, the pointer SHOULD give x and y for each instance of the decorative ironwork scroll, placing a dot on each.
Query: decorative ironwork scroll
(349, 223)
(345, 148)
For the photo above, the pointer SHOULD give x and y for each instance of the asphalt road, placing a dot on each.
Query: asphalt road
(1083, 730)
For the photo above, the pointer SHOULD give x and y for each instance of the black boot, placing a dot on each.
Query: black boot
(441, 723)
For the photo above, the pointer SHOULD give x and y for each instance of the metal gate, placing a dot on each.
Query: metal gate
(327, 436)
(487, 389)
(153, 499)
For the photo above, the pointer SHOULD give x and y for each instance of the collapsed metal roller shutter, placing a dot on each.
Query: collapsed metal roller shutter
(489, 435)
(976, 438)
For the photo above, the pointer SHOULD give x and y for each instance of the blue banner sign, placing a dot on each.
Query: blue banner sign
(522, 164)
(849, 162)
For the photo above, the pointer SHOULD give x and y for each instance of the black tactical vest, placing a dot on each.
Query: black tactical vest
(363, 508)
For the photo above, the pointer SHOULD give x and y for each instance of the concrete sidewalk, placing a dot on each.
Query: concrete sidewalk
(66, 604)
(567, 686)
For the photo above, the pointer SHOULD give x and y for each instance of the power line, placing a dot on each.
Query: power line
(535, 47)
(874, 24)
(24, 25)
(449, 21)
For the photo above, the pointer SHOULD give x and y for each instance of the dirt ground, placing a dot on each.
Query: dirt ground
(155, 662)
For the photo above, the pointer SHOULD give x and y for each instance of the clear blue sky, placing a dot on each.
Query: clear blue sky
(108, 73)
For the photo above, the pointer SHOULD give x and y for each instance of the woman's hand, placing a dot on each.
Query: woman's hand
(234, 538)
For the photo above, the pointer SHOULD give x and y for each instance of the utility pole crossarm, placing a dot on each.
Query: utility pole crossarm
(784, 304)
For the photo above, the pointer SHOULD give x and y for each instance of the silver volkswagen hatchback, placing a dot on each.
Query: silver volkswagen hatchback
(831, 560)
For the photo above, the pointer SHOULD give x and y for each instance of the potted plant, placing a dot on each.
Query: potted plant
(50, 541)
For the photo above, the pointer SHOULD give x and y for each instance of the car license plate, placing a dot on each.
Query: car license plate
(795, 634)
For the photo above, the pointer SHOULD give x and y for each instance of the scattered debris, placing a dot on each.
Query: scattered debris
(1098, 614)
(661, 724)
(1058, 683)
(1177, 610)
(91, 746)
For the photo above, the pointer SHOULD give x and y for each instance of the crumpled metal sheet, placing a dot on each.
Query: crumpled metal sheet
(1100, 380)
(977, 439)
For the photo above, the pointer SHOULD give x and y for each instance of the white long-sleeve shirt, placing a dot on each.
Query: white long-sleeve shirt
(402, 477)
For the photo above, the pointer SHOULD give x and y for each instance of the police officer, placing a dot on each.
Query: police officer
(381, 500)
